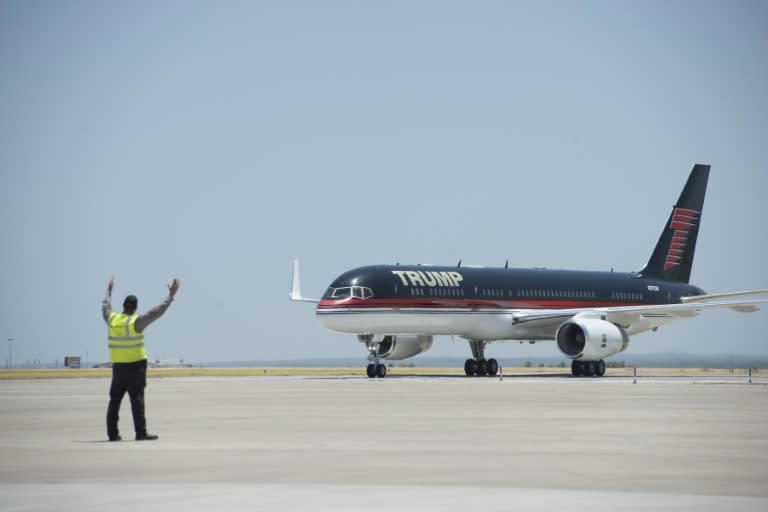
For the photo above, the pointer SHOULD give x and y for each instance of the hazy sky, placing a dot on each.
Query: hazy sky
(217, 141)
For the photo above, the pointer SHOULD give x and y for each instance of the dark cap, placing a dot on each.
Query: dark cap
(130, 300)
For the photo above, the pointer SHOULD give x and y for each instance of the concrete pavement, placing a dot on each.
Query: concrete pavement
(426, 443)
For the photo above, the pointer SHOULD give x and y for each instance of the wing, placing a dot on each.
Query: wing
(720, 296)
(635, 319)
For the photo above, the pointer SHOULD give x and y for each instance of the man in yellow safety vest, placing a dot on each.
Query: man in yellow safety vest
(129, 358)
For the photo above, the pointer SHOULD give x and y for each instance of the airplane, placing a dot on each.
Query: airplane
(397, 310)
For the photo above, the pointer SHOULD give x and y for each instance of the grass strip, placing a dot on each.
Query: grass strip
(102, 373)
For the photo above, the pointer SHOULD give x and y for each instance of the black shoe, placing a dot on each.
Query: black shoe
(146, 437)
(115, 438)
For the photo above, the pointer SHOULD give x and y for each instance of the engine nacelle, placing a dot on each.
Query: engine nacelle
(590, 339)
(403, 346)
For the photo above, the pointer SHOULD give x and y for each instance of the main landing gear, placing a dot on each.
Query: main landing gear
(480, 366)
(588, 368)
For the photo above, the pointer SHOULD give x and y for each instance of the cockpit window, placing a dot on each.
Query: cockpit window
(346, 292)
(342, 293)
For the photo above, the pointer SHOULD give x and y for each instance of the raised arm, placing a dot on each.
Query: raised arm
(174, 287)
(106, 305)
(143, 321)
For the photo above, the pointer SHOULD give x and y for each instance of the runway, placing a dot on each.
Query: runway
(407, 443)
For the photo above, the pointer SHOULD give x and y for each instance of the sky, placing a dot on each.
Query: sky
(217, 141)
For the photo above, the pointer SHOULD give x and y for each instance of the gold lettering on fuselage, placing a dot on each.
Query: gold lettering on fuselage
(415, 278)
(428, 278)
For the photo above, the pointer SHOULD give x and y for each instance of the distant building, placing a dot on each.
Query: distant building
(72, 362)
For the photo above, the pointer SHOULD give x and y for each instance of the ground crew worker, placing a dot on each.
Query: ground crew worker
(129, 359)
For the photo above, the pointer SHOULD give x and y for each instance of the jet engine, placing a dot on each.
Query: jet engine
(403, 346)
(590, 339)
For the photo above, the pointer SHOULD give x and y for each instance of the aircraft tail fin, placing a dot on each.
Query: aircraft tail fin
(672, 258)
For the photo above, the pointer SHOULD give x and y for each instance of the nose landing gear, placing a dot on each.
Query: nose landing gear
(374, 369)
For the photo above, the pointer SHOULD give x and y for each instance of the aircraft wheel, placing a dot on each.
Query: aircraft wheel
(371, 371)
(493, 367)
(381, 371)
(470, 367)
(588, 370)
(600, 368)
(482, 367)
(577, 368)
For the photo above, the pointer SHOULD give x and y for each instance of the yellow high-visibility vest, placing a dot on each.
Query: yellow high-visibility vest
(125, 344)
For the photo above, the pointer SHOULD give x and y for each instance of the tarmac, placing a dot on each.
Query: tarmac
(416, 443)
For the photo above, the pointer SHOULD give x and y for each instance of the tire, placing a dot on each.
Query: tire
(493, 367)
(371, 371)
(381, 371)
(577, 369)
(600, 368)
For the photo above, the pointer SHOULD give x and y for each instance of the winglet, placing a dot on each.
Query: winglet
(295, 294)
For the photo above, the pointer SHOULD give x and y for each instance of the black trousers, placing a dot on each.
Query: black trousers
(130, 377)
